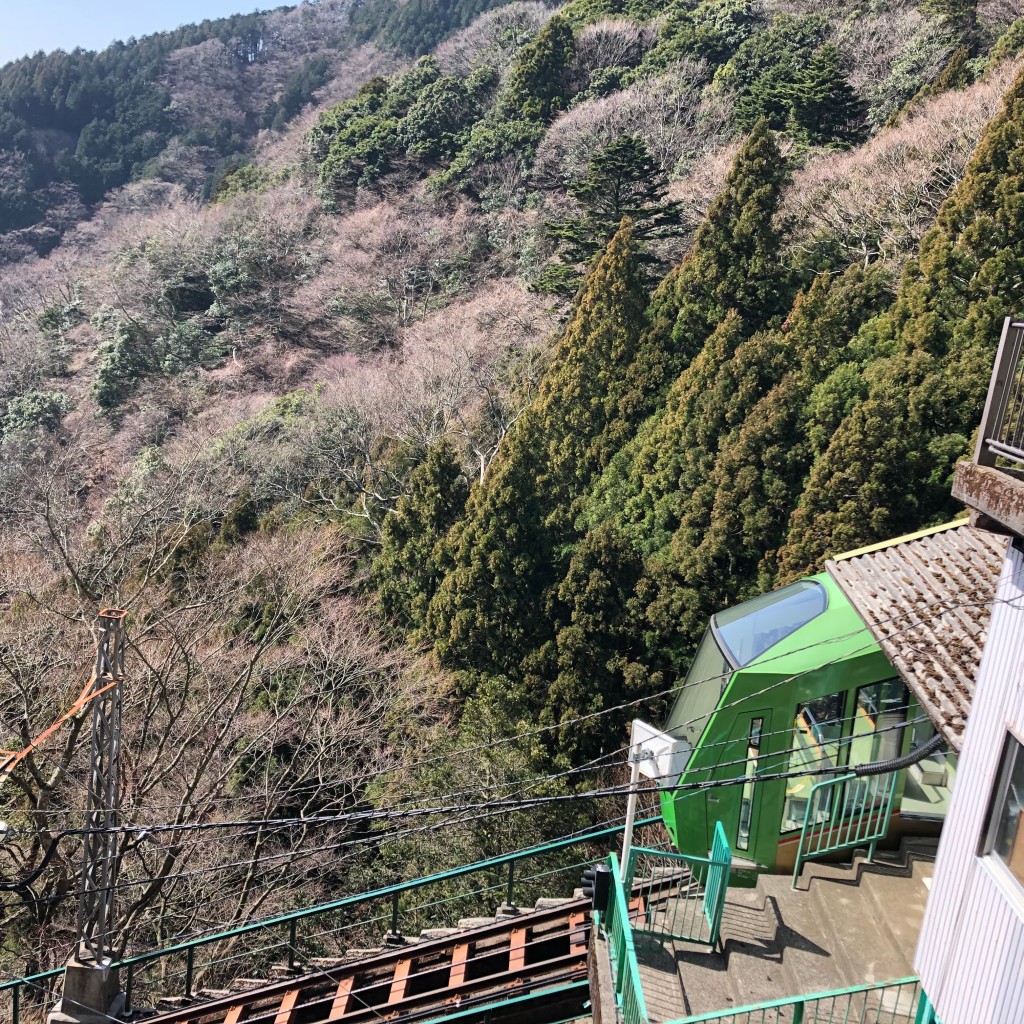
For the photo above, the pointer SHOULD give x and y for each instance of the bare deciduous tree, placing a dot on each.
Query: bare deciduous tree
(877, 201)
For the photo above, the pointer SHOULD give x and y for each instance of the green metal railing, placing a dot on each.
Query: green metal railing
(890, 1002)
(619, 936)
(843, 813)
(680, 896)
(288, 937)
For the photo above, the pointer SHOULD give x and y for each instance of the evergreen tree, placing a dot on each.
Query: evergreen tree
(410, 564)
(761, 72)
(732, 265)
(623, 180)
(888, 466)
(676, 451)
(751, 453)
(515, 541)
(959, 16)
(597, 656)
(536, 87)
(823, 106)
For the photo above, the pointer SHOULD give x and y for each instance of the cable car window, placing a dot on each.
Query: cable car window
(749, 629)
(878, 716)
(705, 683)
(817, 731)
(747, 798)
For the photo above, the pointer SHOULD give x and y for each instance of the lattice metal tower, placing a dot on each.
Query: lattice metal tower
(92, 992)
(102, 814)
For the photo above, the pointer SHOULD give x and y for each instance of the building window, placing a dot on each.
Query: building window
(1004, 833)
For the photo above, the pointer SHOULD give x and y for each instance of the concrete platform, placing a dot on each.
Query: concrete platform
(844, 925)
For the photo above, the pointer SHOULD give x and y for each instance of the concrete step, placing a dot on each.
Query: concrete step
(659, 979)
(437, 933)
(899, 894)
(212, 993)
(551, 902)
(326, 963)
(246, 984)
(861, 930)
(474, 922)
(280, 972)
(174, 1002)
(804, 939)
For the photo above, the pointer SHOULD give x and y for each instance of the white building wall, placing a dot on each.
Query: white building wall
(970, 955)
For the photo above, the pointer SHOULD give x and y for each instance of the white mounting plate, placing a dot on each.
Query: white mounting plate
(666, 755)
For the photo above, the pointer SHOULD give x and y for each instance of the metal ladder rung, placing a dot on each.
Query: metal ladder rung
(401, 980)
(460, 956)
(517, 949)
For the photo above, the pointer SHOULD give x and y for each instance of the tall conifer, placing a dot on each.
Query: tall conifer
(732, 264)
(411, 561)
(516, 539)
(887, 469)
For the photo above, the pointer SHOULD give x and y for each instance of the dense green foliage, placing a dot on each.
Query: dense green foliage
(412, 559)
(790, 76)
(422, 116)
(622, 180)
(105, 115)
(889, 463)
(428, 119)
(511, 547)
(418, 26)
(733, 445)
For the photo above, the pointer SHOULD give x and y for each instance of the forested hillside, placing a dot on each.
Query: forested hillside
(421, 377)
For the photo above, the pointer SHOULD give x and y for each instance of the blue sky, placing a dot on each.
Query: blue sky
(27, 26)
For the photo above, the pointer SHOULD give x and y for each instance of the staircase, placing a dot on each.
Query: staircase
(844, 925)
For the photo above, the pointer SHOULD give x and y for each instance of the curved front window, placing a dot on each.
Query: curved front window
(705, 683)
(747, 630)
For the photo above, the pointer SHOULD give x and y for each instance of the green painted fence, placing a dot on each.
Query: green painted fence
(890, 1002)
(618, 933)
(182, 967)
(680, 896)
(844, 813)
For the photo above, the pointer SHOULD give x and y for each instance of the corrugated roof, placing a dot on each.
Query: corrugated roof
(927, 601)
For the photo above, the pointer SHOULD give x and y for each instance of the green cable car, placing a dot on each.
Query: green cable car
(786, 682)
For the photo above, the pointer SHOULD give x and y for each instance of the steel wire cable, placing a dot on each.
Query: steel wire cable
(700, 786)
(486, 811)
(762, 662)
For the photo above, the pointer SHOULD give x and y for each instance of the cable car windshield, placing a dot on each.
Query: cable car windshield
(749, 629)
(705, 683)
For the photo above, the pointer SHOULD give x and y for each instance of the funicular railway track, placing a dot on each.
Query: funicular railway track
(534, 965)
(528, 969)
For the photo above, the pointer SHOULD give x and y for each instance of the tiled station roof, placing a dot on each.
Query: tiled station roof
(927, 599)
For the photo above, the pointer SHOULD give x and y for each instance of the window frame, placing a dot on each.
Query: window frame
(995, 812)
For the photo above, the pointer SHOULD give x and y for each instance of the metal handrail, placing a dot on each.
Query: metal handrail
(857, 822)
(838, 1010)
(701, 895)
(618, 933)
(290, 920)
(1001, 433)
